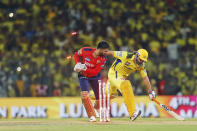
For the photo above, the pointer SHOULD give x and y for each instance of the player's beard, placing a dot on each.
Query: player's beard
(137, 62)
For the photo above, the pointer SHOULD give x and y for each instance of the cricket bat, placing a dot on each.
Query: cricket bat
(172, 113)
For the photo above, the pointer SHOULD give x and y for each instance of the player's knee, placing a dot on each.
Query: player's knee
(84, 94)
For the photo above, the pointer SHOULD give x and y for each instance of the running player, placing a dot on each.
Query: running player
(89, 62)
(124, 64)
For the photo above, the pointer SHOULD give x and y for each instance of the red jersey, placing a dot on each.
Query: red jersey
(94, 65)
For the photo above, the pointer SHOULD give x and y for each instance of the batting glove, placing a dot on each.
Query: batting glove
(152, 94)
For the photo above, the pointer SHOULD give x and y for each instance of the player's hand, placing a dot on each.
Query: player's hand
(77, 67)
(83, 67)
(80, 67)
(152, 94)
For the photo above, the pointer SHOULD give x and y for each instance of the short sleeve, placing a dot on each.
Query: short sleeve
(79, 52)
(122, 54)
(143, 73)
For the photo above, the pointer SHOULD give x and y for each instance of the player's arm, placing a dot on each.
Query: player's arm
(147, 83)
(78, 59)
(119, 54)
(146, 80)
(109, 53)
(78, 56)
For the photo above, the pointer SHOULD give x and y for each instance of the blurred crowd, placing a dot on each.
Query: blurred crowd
(37, 45)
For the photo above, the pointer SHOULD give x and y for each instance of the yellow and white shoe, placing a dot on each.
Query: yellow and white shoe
(135, 115)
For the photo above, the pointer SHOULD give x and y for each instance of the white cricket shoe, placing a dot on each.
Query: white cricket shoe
(92, 119)
(135, 115)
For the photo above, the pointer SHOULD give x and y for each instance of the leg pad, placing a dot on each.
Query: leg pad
(87, 103)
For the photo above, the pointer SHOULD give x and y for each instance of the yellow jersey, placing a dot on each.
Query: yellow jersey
(124, 64)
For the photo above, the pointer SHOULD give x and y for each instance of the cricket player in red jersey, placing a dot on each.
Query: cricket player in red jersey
(89, 62)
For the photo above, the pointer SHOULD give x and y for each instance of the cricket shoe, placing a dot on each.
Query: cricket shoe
(135, 115)
(92, 119)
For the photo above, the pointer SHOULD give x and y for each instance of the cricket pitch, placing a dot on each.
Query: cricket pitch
(82, 124)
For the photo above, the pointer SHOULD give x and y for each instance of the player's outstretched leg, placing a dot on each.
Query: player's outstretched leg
(127, 92)
(88, 106)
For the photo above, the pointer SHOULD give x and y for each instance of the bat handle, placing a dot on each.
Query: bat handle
(156, 101)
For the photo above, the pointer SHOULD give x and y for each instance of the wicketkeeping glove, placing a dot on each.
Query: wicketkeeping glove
(83, 67)
(152, 94)
(77, 67)
(80, 67)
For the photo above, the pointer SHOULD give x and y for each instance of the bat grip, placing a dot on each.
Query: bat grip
(156, 101)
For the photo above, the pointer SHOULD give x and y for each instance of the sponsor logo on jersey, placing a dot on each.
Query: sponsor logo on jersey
(87, 59)
(127, 63)
(98, 61)
(89, 64)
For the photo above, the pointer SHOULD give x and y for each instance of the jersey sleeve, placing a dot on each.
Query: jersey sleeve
(78, 55)
(143, 72)
(122, 54)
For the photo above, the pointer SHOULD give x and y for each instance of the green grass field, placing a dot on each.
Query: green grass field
(82, 124)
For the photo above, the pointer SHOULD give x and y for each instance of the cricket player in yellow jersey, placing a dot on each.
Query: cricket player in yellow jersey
(124, 64)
